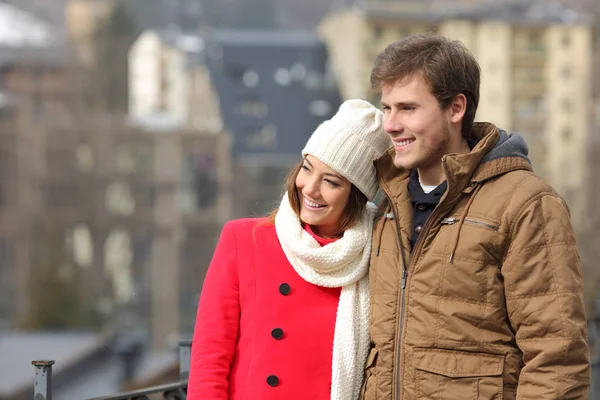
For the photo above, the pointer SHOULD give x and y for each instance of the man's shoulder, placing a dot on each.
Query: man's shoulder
(527, 183)
(522, 188)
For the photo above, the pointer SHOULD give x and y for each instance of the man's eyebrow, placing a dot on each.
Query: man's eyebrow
(401, 104)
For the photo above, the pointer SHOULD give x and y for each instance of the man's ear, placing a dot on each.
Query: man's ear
(458, 107)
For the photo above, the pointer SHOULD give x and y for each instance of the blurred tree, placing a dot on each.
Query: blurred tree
(55, 289)
(108, 77)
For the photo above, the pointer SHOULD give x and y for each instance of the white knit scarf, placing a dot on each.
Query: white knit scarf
(343, 263)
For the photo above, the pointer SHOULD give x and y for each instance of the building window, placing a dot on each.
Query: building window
(250, 78)
(253, 107)
(264, 138)
(528, 108)
(377, 32)
(404, 32)
(199, 181)
(566, 40)
(566, 72)
(236, 71)
(282, 76)
(7, 255)
(320, 108)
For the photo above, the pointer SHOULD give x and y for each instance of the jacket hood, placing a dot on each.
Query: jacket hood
(508, 145)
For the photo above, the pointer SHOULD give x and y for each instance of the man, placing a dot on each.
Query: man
(476, 287)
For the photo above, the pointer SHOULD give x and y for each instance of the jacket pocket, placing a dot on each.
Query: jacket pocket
(449, 375)
(369, 387)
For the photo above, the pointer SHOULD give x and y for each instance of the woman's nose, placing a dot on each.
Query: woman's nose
(312, 188)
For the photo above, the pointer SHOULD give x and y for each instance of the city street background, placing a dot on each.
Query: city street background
(132, 130)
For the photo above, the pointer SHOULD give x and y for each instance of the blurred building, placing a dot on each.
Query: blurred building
(535, 58)
(260, 93)
(268, 90)
(34, 90)
(82, 19)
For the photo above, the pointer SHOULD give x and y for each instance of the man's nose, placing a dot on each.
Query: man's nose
(392, 123)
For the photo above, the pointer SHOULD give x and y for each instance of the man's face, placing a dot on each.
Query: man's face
(419, 128)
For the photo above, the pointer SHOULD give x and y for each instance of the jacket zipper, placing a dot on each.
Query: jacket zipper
(401, 305)
(415, 256)
(452, 220)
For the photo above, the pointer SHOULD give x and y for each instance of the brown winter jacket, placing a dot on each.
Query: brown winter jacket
(492, 303)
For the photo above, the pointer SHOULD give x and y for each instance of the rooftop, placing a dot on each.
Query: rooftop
(519, 12)
(19, 349)
(22, 29)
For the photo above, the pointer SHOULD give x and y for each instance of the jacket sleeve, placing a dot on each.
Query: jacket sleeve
(217, 324)
(544, 299)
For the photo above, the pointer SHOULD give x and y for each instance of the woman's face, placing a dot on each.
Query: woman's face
(323, 195)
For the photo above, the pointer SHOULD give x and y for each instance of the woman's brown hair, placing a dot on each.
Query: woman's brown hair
(352, 212)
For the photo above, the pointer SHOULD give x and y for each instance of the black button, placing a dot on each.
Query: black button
(418, 228)
(284, 289)
(277, 333)
(422, 207)
(272, 380)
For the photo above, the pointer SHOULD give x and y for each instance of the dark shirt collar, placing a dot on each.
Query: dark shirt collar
(419, 196)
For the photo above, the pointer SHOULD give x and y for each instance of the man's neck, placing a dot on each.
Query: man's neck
(433, 175)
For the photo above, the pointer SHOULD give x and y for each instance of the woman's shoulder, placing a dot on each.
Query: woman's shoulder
(251, 225)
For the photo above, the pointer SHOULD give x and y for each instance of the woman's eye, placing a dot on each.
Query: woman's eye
(332, 183)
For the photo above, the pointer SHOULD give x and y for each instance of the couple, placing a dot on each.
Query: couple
(463, 284)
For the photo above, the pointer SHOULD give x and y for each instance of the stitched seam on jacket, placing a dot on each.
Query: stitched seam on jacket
(554, 339)
(461, 300)
(536, 295)
(541, 246)
(444, 256)
(558, 298)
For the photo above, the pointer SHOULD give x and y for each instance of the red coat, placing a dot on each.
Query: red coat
(262, 332)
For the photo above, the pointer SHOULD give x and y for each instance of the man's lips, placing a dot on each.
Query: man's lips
(400, 144)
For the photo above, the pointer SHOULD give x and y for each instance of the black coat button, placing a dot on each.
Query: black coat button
(272, 380)
(418, 228)
(284, 289)
(422, 207)
(277, 333)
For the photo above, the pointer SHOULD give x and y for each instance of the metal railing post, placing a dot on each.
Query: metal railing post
(185, 355)
(42, 384)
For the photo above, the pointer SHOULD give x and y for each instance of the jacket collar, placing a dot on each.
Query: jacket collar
(463, 171)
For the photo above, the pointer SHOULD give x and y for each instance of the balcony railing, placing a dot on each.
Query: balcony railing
(178, 390)
(172, 391)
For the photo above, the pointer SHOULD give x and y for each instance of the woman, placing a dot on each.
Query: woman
(284, 307)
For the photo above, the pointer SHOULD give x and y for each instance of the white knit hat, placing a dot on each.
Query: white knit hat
(350, 142)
